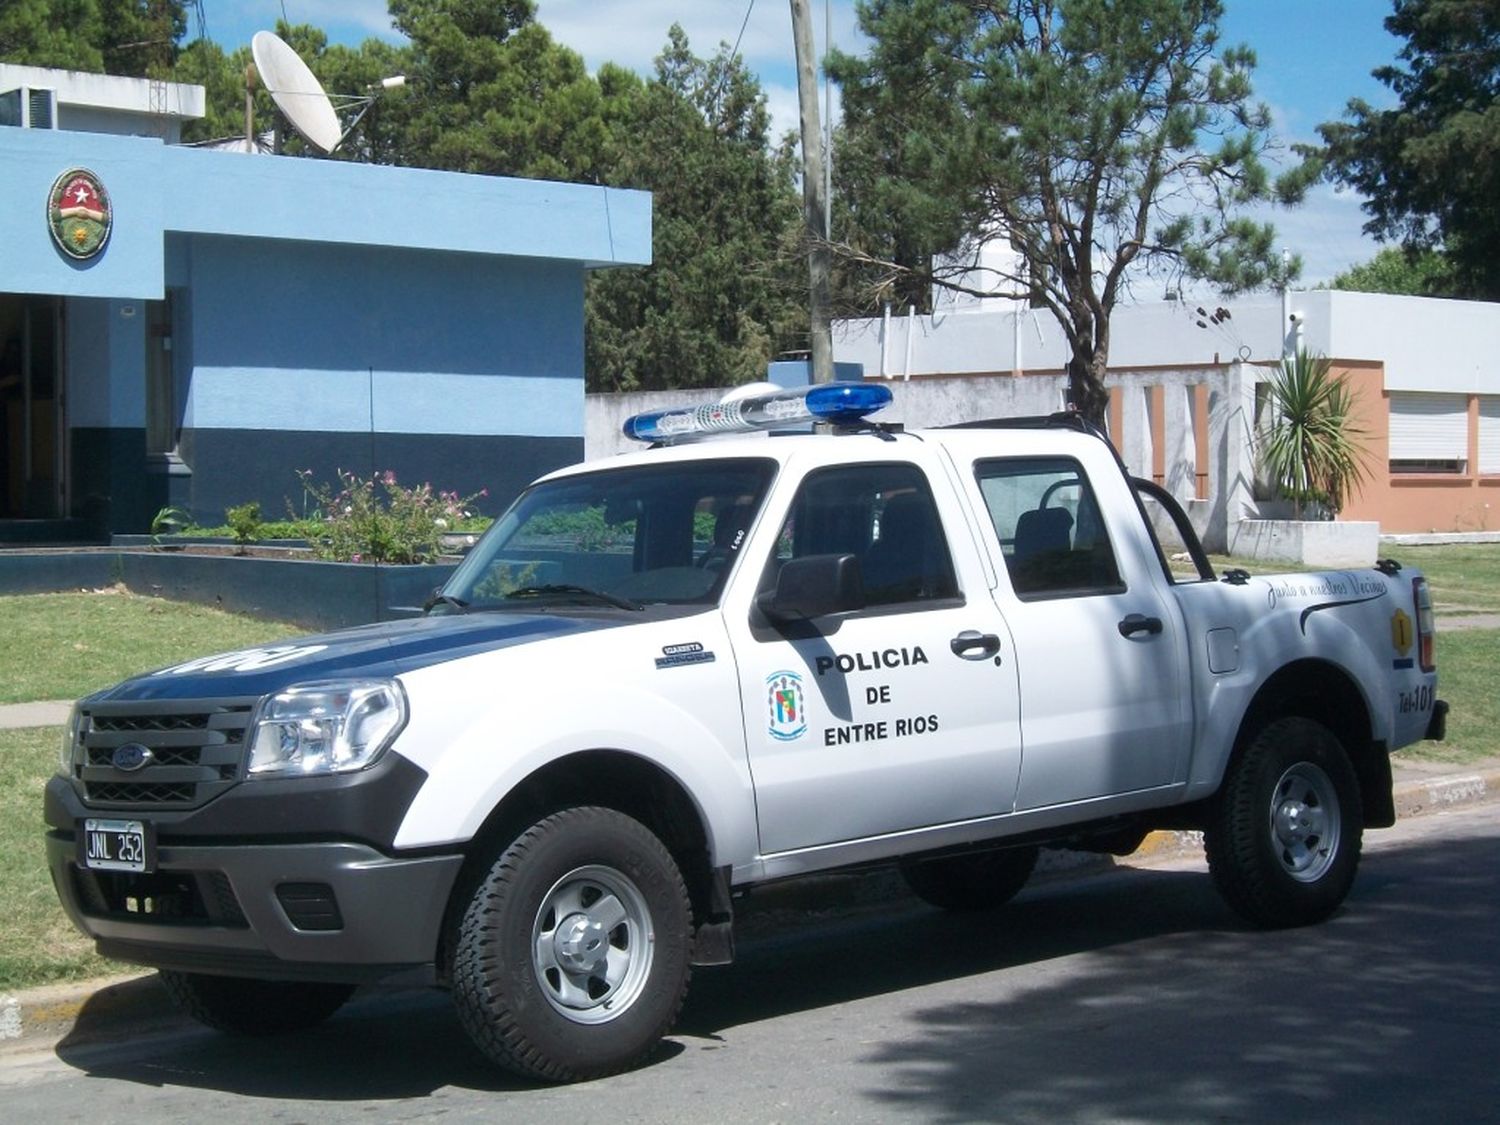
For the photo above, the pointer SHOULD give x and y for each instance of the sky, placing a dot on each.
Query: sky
(1312, 57)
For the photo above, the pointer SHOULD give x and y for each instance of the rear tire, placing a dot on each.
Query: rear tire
(971, 881)
(1285, 831)
(242, 1006)
(571, 958)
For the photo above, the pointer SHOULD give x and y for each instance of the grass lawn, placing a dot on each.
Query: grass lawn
(63, 646)
(1466, 661)
(1465, 577)
(37, 942)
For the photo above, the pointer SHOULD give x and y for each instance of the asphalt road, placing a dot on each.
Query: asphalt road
(1132, 996)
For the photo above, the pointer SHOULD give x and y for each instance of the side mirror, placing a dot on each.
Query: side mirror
(814, 586)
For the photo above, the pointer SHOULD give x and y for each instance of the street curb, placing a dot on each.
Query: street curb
(1414, 798)
(53, 1011)
(110, 1008)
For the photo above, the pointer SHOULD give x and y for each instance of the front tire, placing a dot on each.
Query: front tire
(971, 881)
(571, 958)
(242, 1006)
(1285, 832)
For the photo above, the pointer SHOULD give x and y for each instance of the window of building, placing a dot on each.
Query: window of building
(1429, 433)
(1489, 434)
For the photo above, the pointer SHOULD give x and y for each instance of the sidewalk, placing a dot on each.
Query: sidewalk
(49, 713)
(111, 1008)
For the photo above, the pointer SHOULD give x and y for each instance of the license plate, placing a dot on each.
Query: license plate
(117, 845)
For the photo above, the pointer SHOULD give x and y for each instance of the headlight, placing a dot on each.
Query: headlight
(69, 740)
(324, 728)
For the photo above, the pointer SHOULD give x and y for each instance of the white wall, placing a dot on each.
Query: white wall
(986, 341)
(939, 401)
(106, 103)
(1425, 344)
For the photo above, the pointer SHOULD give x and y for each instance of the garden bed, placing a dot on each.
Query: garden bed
(279, 583)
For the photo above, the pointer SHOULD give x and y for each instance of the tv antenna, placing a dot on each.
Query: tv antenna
(296, 91)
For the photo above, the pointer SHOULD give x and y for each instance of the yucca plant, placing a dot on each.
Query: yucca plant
(1312, 449)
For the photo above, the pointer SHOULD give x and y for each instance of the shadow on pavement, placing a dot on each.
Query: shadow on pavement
(1174, 1011)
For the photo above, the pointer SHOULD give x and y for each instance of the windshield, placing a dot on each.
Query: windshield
(625, 537)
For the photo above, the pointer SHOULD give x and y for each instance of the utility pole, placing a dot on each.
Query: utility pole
(819, 257)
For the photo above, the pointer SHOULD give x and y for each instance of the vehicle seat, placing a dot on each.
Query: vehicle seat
(902, 564)
(1042, 530)
(1041, 550)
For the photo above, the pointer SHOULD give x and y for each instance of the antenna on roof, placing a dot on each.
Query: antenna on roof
(296, 91)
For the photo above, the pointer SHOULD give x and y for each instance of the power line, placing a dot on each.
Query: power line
(733, 54)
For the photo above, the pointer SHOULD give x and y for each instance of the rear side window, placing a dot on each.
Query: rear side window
(885, 516)
(1050, 531)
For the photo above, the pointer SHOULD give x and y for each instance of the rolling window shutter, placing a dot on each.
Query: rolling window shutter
(1429, 427)
(1489, 434)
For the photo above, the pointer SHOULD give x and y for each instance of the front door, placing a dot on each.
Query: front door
(896, 717)
(31, 421)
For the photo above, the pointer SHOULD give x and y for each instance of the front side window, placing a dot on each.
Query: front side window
(1050, 531)
(885, 516)
(651, 534)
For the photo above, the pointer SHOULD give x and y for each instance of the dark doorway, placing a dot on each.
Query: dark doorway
(31, 415)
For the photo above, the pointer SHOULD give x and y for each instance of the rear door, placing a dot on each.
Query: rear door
(1104, 703)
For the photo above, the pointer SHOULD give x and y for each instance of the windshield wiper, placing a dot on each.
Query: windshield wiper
(580, 592)
(439, 598)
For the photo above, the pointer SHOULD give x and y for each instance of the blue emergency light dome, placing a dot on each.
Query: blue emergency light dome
(841, 404)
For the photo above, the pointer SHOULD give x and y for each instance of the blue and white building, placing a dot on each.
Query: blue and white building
(251, 315)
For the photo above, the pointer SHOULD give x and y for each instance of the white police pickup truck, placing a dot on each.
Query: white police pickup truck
(663, 679)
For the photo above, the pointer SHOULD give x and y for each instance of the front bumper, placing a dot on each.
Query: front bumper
(303, 911)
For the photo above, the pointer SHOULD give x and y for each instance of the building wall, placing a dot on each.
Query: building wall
(105, 347)
(105, 103)
(131, 265)
(1466, 500)
(982, 341)
(1384, 344)
(367, 359)
(325, 315)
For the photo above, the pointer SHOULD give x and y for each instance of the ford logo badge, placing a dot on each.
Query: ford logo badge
(131, 756)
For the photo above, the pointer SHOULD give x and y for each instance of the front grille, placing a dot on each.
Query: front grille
(182, 898)
(196, 751)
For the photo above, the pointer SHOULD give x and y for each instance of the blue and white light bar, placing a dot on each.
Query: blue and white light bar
(841, 404)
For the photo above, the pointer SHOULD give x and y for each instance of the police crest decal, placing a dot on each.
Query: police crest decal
(79, 214)
(786, 718)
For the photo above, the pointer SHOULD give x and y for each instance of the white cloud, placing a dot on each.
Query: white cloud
(633, 33)
(1325, 230)
(781, 103)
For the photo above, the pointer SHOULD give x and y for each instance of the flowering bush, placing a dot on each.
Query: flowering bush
(380, 520)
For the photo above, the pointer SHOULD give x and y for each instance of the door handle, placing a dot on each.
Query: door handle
(1134, 623)
(969, 640)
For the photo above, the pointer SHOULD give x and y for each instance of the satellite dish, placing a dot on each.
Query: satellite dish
(296, 91)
